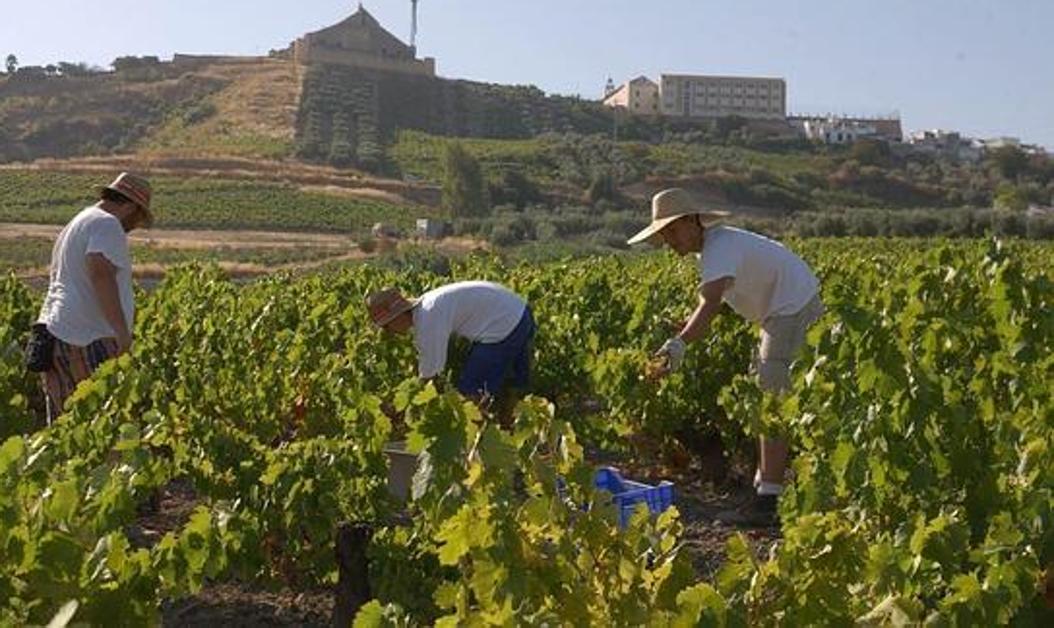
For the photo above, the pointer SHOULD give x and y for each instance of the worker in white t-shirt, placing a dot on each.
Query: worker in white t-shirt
(762, 281)
(497, 322)
(88, 311)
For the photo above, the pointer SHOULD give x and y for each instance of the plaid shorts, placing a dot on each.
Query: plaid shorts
(70, 366)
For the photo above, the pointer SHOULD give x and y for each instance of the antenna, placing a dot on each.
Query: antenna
(413, 24)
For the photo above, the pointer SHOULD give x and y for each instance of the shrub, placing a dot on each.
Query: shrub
(367, 244)
(602, 187)
(1013, 225)
(609, 239)
(463, 191)
(516, 189)
(1040, 228)
(624, 223)
(1010, 197)
(504, 235)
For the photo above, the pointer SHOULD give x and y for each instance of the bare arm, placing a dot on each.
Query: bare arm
(709, 304)
(673, 350)
(103, 276)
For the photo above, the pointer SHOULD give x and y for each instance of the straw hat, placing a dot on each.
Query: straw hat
(387, 304)
(671, 204)
(135, 189)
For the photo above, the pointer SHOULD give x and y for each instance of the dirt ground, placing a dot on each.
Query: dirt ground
(203, 239)
(241, 604)
(338, 248)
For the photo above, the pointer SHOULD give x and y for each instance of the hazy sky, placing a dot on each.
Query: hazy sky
(984, 67)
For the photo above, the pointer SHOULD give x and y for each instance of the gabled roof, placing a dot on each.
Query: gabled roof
(642, 79)
(359, 21)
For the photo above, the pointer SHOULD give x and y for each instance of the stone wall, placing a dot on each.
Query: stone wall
(185, 61)
(307, 53)
(347, 114)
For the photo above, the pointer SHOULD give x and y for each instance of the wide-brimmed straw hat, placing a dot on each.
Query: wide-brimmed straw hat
(386, 305)
(673, 203)
(136, 189)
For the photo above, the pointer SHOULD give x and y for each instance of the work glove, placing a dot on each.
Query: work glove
(673, 350)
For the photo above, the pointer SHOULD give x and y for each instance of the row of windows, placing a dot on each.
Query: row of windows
(726, 86)
(736, 92)
(687, 105)
(754, 109)
(736, 101)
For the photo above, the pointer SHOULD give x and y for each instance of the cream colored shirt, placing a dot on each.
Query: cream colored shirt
(767, 278)
(480, 311)
(71, 308)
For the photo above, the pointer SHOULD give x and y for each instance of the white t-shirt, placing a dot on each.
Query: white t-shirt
(71, 309)
(480, 311)
(768, 279)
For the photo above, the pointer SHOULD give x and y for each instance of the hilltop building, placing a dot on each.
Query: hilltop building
(639, 96)
(887, 129)
(698, 96)
(360, 41)
(836, 130)
(703, 97)
(951, 144)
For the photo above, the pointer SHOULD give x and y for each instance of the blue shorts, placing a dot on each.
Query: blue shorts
(488, 365)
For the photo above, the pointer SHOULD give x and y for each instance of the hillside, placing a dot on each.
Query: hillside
(787, 177)
(240, 109)
(258, 143)
(50, 197)
(253, 115)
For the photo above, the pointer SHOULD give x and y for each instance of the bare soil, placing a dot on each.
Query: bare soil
(244, 604)
(241, 605)
(196, 239)
(340, 248)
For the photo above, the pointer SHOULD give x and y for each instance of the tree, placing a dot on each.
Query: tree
(871, 152)
(1011, 161)
(724, 126)
(67, 68)
(12, 63)
(602, 187)
(515, 188)
(464, 191)
(1011, 197)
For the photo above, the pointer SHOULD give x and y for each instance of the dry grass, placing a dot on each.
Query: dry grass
(255, 115)
(187, 239)
(371, 194)
(326, 179)
(337, 248)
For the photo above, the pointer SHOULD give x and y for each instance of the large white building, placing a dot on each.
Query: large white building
(699, 96)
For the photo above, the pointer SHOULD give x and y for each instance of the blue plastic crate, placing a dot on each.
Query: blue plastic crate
(626, 494)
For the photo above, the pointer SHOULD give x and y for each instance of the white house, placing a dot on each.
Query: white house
(948, 144)
(833, 130)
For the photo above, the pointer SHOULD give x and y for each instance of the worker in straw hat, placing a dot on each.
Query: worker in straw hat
(763, 282)
(497, 322)
(88, 311)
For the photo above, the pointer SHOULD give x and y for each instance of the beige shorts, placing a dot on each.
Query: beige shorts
(781, 339)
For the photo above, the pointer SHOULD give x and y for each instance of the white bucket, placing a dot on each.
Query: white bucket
(401, 468)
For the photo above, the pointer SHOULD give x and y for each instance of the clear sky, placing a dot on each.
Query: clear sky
(984, 67)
